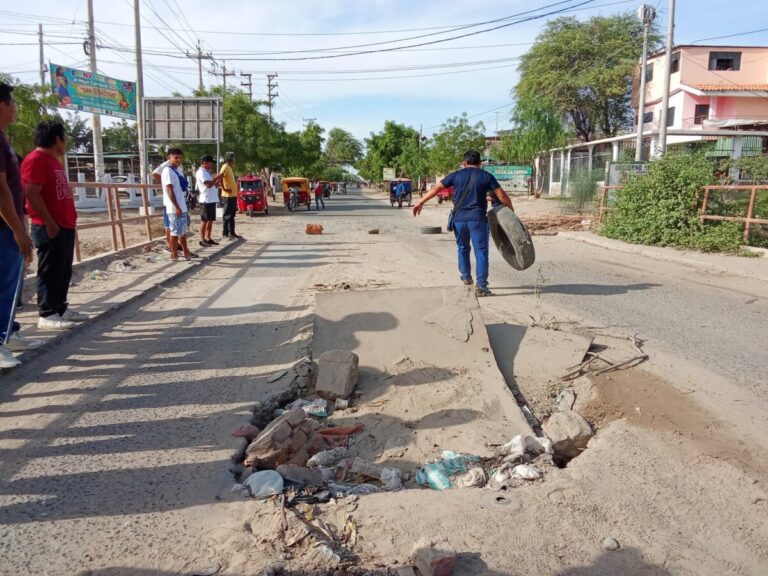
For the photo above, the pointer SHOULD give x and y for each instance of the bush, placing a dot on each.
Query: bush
(660, 208)
(583, 184)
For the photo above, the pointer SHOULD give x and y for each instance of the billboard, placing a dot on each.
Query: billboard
(89, 92)
(183, 119)
(511, 178)
(388, 173)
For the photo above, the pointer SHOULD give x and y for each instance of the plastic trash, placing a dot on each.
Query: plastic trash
(240, 489)
(437, 475)
(247, 431)
(474, 478)
(527, 472)
(391, 479)
(500, 477)
(318, 407)
(353, 489)
(327, 457)
(522, 444)
(264, 484)
(343, 431)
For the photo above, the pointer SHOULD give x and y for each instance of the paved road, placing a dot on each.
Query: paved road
(115, 445)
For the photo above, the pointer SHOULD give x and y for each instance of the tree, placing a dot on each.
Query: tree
(383, 150)
(455, 137)
(122, 137)
(585, 70)
(79, 132)
(414, 160)
(342, 148)
(33, 105)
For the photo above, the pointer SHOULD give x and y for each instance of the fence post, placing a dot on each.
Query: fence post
(704, 203)
(78, 258)
(119, 216)
(750, 214)
(147, 221)
(110, 211)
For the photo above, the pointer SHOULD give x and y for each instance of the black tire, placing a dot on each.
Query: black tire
(266, 211)
(431, 230)
(309, 206)
(511, 238)
(439, 200)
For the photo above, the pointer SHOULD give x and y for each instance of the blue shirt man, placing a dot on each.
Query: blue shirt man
(399, 189)
(471, 188)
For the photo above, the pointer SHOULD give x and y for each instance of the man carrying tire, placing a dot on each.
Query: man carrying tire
(470, 220)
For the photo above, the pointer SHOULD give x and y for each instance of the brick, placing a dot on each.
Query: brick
(337, 374)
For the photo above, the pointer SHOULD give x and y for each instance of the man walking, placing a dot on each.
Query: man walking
(319, 191)
(52, 212)
(229, 195)
(175, 205)
(207, 186)
(15, 243)
(470, 220)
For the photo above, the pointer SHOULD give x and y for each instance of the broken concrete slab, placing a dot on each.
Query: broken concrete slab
(289, 439)
(432, 559)
(569, 433)
(337, 373)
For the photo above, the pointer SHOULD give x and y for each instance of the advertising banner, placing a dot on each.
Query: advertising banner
(511, 178)
(87, 92)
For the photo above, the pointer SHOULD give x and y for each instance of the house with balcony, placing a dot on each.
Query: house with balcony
(711, 87)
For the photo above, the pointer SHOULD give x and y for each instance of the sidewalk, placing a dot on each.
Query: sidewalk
(754, 268)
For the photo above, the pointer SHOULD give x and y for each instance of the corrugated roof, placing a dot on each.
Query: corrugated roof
(731, 87)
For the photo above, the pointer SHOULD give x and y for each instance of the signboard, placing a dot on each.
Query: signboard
(617, 173)
(511, 178)
(389, 174)
(183, 119)
(89, 92)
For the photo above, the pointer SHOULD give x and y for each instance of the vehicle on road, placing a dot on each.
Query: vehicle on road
(445, 195)
(406, 196)
(251, 195)
(303, 196)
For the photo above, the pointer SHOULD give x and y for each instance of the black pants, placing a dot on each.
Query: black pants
(54, 269)
(230, 209)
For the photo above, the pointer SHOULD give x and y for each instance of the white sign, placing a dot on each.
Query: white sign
(183, 119)
(389, 174)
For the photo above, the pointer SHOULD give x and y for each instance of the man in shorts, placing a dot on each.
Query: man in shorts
(157, 174)
(207, 187)
(176, 205)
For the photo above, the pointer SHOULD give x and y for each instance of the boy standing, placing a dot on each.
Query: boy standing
(175, 205)
(207, 186)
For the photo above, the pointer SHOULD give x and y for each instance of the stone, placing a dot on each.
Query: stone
(566, 399)
(405, 571)
(289, 438)
(569, 433)
(310, 477)
(431, 560)
(611, 544)
(337, 374)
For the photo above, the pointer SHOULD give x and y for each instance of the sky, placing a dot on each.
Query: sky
(435, 77)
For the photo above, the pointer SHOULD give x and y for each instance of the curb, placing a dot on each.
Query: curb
(182, 273)
(638, 249)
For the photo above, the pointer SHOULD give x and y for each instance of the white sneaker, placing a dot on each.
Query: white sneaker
(8, 360)
(54, 322)
(74, 316)
(19, 343)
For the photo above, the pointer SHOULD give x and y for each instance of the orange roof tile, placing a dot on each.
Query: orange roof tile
(731, 87)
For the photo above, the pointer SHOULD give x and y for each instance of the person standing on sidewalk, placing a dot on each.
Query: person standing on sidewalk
(52, 212)
(470, 219)
(15, 243)
(157, 178)
(207, 186)
(229, 195)
(176, 205)
(319, 191)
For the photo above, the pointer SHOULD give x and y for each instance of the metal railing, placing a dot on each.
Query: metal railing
(747, 220)
(115, 220)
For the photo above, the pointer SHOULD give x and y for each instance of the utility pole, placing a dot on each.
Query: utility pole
(270, 96)
(662, 145)
(98, 151)
(248, 84)
(139, 92)
(308, 121)
(224, 73)
(200, 56)
(42, 55)
(647, 14)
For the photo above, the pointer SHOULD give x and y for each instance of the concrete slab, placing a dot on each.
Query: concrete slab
(426, 364)
(545, 355)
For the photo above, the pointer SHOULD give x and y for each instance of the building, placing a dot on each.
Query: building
(710, 87)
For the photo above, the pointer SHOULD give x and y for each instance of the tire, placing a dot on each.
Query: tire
(250, 213)
(439, 200)
(431, 230)
(511, 238)
(309, 206)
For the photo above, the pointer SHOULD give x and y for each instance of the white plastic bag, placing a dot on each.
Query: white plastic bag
(264, 484)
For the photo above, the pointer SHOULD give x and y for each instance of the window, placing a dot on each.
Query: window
(701, 113)
(649, 72)
(725, 60)
(670, 116)
(675, 63)
(648, 117)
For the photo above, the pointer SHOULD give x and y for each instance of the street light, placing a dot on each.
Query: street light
(647, 14)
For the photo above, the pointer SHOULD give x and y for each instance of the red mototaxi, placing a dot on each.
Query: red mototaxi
(445, 195)
(251, 195)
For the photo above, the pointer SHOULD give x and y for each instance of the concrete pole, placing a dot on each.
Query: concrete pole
(139, 93)
(662, 147)
(42, 55)
(98, 151)
(648, 15)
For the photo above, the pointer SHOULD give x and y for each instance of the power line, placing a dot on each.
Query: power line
(730, 35)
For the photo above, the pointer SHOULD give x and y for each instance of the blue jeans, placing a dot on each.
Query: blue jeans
(10, 272)
(319, 200)
(478, 233)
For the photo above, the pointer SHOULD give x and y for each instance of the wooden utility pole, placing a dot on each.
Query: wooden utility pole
(224, 73)
(42, 55)
(248, 84)
(139, 92)
(200, 56)
(270, 96)
(98, 150)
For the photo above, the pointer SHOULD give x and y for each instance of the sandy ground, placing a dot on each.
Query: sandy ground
(120, 438)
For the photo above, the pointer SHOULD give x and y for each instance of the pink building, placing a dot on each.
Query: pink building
(710, 87)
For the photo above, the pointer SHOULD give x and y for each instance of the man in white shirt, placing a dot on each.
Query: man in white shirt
(207, 187)
(157, 175)
(175, 205)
